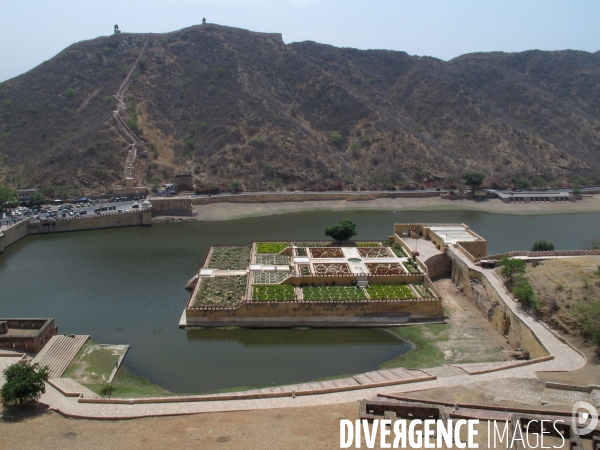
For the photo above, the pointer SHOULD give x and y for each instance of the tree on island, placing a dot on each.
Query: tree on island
(24, 383)
(341, 231)
(542, 246)
(473, 179)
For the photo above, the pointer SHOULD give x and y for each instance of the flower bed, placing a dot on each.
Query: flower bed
(271, 247)
(301, 252)
(273, 293)
(379, 252)
(304, 269)
(270, 277)
(272, 260)
(385, 269)
(389, 291)
(221, 291)
(326, 252)
(333, 293)
(332, 269)
(412, 266)
(232, 258)
(399, 251)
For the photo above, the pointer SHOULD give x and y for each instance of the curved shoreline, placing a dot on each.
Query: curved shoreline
(228, 211)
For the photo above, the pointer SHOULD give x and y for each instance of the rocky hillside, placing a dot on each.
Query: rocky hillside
(237, 108)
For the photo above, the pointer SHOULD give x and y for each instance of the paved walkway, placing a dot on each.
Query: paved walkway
(565, 358)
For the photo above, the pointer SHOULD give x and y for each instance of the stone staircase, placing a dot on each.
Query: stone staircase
(362, 281)
(58, 353)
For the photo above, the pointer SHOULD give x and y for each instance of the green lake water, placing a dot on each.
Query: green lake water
(126, 286)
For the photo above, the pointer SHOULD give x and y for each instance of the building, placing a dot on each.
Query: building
(25, 194)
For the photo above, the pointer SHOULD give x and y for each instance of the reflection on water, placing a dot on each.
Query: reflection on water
(126, 286)
(295, 337)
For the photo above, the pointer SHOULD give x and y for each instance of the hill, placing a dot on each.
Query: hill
(236, 108)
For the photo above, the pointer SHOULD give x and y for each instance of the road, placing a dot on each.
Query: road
(90, 211)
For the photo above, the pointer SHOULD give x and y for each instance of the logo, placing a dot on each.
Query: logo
(583, 413)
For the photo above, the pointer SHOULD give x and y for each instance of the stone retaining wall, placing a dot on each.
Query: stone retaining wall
(130, 219)
(493, 307)
(339, 313)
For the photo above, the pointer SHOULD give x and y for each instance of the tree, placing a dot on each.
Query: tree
(24, 383)
(473, 179)
(107, 390)
(511, 267)
(8, 197)
(542, 246)
(36, 199)
(341, 231)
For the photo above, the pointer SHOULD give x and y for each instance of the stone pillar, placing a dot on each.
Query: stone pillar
(147, 217)
(1, 242)
(129, 185)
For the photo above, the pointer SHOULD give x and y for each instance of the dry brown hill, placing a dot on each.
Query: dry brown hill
(233, 106)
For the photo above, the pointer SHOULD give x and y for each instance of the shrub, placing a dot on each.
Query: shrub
(576, 191)
(107, 390)
(588, 315)
(23, 383)
(335, 138)
(511, 267)
(342, 231)
(523, 291)
(70, 92)
(542, 246)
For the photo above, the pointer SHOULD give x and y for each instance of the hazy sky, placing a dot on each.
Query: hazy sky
(32, 31)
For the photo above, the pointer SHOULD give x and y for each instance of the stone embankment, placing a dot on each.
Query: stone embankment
(141, 217)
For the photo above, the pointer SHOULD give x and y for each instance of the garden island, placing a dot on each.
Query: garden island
(322, 283)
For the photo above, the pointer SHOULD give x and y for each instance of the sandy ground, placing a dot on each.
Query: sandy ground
(223, 211)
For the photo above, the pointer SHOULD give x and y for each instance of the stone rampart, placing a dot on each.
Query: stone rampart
(552, 253)
(492, 305)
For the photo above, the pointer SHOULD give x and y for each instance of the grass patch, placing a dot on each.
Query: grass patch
(389, 291)
(271, 247)
(423, 290)
(129, 385)
(333, 293)
(93, 364)
(367, 244)
(222, 291)
(273, 293)
(425, 354)
(232, 258)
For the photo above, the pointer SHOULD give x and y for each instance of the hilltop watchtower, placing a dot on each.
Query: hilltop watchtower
(203, 21)
(117, 31)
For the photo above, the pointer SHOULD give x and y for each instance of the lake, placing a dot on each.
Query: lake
(126, 286)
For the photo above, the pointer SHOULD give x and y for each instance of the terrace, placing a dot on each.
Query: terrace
(306, 272)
